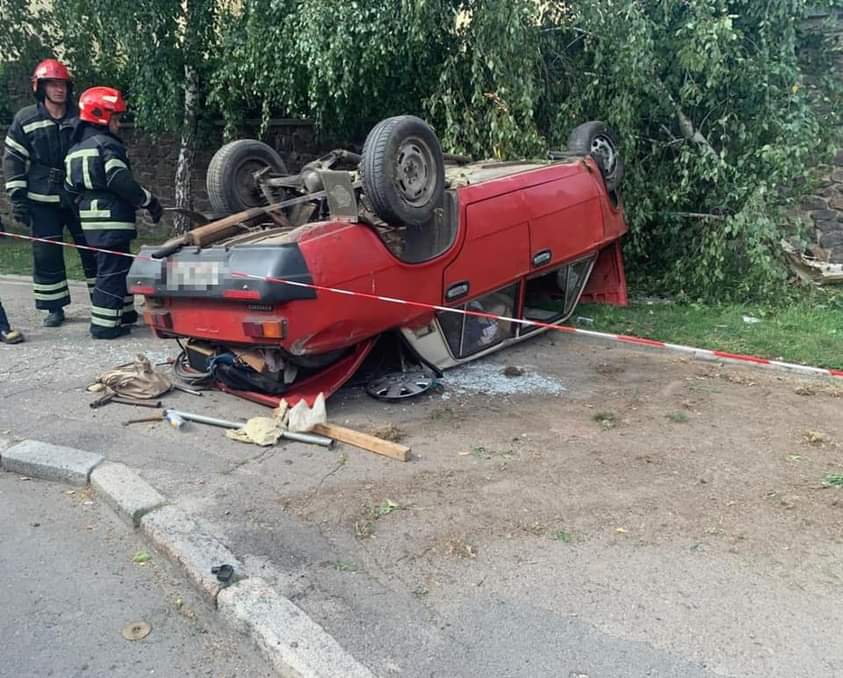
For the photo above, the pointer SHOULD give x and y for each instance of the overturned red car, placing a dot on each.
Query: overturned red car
(285, 300)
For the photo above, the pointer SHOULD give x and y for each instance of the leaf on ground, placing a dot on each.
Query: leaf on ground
(833, 480)
(141, 557)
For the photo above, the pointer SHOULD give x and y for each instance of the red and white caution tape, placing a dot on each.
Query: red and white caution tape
(696, 353)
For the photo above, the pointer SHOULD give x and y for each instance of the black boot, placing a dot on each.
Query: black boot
(111, 332)
(54, 318)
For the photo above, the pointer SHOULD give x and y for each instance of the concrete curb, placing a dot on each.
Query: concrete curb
(286, 636)
(294, 644)
(180, 538)
(125, 491)
(51, 462)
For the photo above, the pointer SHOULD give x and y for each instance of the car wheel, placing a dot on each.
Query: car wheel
(402, 170)
(599, 141)
(230, 180)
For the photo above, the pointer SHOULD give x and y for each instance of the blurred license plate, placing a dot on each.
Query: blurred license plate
(193, 274)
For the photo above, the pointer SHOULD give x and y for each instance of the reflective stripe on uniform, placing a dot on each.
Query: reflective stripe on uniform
(53, 296)
(102, 322)
(31, 127)
(49, 287)
(94, 212)
(14, 145)
(91, 281)
(148, 197)
(104, 310)
(40, 197)
(17, 183)
(108, 225)
(105, 317)
(83, 153)
(115, 163)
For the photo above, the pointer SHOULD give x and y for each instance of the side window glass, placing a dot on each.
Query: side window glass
(552, 296)
(467, 334)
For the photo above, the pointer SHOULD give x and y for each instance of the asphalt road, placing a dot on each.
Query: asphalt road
(69, 586)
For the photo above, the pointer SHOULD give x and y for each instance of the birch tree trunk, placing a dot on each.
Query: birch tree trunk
(187, 149)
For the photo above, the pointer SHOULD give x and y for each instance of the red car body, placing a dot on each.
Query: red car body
(510, 223)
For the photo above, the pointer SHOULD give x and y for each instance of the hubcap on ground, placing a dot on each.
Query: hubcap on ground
(400, 385)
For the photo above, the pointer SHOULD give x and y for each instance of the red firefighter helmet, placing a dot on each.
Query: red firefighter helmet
(49, 69)
(97, 104)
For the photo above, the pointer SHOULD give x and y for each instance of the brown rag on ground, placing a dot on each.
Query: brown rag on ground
(137, 380)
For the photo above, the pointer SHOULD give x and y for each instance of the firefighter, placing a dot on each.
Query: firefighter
(33, 164)
(99, 177)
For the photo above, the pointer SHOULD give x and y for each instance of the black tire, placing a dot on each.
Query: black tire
(599, 141)
(230, 183)
(402, 170)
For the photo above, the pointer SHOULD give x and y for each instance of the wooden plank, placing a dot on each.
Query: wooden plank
(364, 441)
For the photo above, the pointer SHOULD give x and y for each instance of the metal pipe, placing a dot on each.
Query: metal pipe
(211, 421)
(310, 438)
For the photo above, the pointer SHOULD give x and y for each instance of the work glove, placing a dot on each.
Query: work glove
(20, 211)
(154, 210)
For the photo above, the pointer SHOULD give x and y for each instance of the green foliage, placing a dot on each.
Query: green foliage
(349, 65)
(143, 48)
(710, 101)
(490, 82)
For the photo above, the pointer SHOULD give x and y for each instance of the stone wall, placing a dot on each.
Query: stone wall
(825, 209)
(154, 163)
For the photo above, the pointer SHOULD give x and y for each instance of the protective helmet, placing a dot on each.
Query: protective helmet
(97, 104)
(49, 69)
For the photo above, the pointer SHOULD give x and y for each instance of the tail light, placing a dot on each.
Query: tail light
(266, 329)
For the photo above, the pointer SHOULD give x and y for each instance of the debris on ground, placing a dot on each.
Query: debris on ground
(812, 269)
(136, 630)
(486, 378)
(267, 431)
(388, 432)
(364, 441)
(512, 371)
(136, 380)
(816, 438)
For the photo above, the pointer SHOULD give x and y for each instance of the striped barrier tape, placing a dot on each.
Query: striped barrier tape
(694, 352)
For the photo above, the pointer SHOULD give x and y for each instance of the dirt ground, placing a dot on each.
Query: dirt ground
(641, 447)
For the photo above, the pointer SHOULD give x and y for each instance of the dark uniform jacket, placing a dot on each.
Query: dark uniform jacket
(35, 146)
(99, 178)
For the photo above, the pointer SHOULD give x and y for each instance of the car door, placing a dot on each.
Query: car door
(565, 217)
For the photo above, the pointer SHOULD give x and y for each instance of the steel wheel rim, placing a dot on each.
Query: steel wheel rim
(415, 179)
(247, 187)
(603, 149)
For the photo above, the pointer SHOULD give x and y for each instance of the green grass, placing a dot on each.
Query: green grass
(808, 332)
(16, 257)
